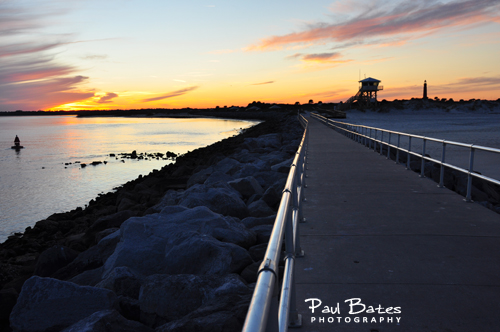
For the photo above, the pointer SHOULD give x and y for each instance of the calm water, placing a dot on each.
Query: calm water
(35, 182)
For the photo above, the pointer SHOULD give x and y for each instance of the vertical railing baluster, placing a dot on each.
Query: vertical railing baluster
(408, 156)
(389, 146)
(468, 198)
(441, 173)
(381, 140)
(397, 151)
(422, 165)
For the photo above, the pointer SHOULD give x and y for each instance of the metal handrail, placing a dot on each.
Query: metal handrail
(264, 304)
(363, 134)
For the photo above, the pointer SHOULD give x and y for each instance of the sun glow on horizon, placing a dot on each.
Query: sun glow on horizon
(83, 59)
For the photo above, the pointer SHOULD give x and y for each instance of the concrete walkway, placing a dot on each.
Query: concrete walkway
(379, 233)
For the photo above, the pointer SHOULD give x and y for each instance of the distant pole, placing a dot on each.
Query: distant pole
(425, 90)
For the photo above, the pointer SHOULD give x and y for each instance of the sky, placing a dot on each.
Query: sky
(130, 54)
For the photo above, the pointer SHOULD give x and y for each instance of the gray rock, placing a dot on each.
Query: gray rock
(263, 233)
(275, 157)
(260, 209)
(228, 166)
(8, 298)
(248, 170)
(165, 298)
(268, 178)
(90, 259)
(126, 204)
(220, 200)
(247, 186)
(250, 222)
(271, 197)
(54, 259)
(111, 221)
(170, 198)
(107, 321)
(249, 274)
(217, 178)
(221, 314)
(181, 240)
(50, 304)
(122, 281)
(283, 167)
(88, 278)
(200, 177)
(258, 251)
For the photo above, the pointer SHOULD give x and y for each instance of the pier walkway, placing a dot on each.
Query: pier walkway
(379, 233)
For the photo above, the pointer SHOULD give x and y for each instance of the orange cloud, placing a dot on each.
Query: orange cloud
(107, 98)
(172, 94)
(408, 17)
(268, 82)
(30, 77)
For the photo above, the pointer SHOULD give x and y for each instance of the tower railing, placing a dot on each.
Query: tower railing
(266, 313)
(376, 138)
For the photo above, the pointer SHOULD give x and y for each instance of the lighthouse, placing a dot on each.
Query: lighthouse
(425, 90)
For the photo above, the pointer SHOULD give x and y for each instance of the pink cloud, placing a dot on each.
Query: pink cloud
(107, 98)
(407, 18)
(30, 76)
(172, 94)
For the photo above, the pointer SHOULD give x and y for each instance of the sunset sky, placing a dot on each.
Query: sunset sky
(122, 54)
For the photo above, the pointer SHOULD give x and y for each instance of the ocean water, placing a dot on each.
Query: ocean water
(35, 182)
(479, 128)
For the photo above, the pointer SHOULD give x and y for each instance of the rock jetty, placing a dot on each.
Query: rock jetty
(176, 250)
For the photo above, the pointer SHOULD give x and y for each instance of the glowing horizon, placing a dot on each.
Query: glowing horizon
(133, 55)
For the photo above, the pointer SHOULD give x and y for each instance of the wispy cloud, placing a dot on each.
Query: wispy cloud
(172, 94)
(322, 57)
(107, 98)
(262, 83)
(382, 20)
(95, 57)
(30, 76)
(226, 51)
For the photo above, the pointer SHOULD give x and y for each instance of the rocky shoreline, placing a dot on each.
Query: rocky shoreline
(176, 250)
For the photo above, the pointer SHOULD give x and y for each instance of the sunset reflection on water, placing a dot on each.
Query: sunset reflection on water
(36, 181)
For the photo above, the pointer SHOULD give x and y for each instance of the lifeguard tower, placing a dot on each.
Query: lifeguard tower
(367, 93)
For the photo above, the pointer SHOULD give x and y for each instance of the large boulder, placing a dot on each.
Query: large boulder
(247, 186)
(200, 177)
(90, 259)
(107, 321)
(260, 209)
(166, 298)
(47, 304)
(181, 240)
(54, 259)
(123, 282)
(221, 200)
(221, 314)
(228, 166)
(217, 178)
(110, 221)
(283, 167)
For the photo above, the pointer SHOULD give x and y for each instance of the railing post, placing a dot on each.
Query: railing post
(441, 173)
(408, 156)
(422, 165)
(381, 140)
(397, 151)
(468, 198)
(389, 147)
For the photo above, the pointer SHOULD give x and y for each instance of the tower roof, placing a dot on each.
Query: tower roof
(369, 79)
